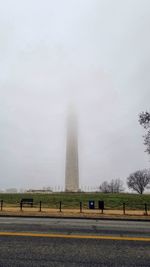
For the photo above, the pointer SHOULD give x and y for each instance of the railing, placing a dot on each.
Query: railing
(82, 207)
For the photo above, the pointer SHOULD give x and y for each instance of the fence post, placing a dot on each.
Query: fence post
(1, 205)
(21, 204)
(80, 207)
(40, 206)
(124, 208)
(60, 206)
(145, 209)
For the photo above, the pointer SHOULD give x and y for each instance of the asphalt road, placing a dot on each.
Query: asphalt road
(63, 242)
(75, 226)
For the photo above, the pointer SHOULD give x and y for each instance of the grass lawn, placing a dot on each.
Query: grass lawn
(72, 200)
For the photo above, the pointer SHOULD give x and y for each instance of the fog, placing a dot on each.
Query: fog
(92, 53)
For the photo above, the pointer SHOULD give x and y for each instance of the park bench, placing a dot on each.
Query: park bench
(28, 201)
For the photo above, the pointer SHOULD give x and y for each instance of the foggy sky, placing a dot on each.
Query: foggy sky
(92, 53)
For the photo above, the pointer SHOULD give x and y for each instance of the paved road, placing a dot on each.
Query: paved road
(66, 250)
(74, 226)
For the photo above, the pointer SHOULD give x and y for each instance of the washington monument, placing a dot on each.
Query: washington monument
(72, 170)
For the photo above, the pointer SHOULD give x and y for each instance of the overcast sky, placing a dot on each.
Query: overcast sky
(93, 53)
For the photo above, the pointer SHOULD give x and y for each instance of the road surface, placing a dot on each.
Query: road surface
(64, 242)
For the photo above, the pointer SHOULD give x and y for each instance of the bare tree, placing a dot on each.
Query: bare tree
(104, 187)
(114, 186)
(144, 120)
(139, 180)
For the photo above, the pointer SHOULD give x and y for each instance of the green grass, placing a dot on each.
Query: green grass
(72, 200)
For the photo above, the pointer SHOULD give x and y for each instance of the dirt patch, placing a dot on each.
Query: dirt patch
(28, 211)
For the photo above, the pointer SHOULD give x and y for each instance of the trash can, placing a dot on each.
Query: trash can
(91, 204)
(101, 205)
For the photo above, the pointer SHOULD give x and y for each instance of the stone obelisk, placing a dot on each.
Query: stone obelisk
(72, 170)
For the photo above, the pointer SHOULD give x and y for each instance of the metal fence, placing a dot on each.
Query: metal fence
(80, 207)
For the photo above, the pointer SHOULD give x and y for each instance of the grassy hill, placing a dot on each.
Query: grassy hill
(72, 200)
